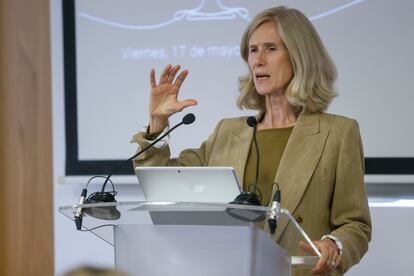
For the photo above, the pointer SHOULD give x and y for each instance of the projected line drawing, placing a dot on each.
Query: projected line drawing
(335, 10)
(207, 10)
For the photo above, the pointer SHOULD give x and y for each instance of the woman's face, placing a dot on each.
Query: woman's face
(268, 60)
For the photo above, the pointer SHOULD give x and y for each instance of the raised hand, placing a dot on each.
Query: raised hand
(163, 98)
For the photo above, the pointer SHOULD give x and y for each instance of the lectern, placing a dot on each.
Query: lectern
(177, 238)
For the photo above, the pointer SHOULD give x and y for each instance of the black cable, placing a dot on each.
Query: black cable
(100, 226)
(257, 159)
(277, 185)
(258, 191)
(100, 176)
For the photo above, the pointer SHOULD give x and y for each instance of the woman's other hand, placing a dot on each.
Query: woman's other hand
(330, 258)
(163, 98)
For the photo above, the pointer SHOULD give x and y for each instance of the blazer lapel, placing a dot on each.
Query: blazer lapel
(241, 142)
(299, 162)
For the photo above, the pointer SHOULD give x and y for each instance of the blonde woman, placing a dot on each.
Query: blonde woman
(315, 157)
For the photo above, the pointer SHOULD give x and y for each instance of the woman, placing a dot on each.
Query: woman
(315, 157)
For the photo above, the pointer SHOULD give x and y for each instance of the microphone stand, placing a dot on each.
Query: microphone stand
(251, 198)
(103, 196)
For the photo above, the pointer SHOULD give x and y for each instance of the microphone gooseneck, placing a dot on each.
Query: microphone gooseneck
(187, 120)
(251, 198)
(110, 213)
(256, 183)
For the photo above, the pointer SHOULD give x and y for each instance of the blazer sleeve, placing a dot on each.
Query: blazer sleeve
(350, 215)
(162, 157)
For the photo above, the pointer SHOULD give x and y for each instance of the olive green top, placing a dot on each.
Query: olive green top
(272, 143)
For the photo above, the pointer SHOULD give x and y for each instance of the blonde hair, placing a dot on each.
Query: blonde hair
(312, 86)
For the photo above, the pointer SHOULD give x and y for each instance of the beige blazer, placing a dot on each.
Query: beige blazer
(321, 177)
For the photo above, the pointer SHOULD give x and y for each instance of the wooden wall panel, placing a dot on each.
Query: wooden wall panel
(26, 184)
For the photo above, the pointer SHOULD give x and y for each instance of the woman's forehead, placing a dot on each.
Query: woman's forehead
(264, 33)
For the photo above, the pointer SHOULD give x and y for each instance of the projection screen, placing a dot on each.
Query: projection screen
(110, 47)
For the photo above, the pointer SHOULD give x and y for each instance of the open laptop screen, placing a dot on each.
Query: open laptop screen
(188, 184)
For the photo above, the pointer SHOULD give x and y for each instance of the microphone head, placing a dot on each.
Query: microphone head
(104, 212)
(251, 121)
(250, 199)
(188, 119)
(247, 198)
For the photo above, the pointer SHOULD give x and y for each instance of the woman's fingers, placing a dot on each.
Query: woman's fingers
(187, 103)
(172, 108)
(336, 260)
(165, 73)
(172, 73)
(179, 106)
(168, 75)
(322, 265)
(163, 100)
(329, 259)
(306, 247)
(180, 79)
(152, 78)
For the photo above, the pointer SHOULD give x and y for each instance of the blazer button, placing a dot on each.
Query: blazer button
(299, 219)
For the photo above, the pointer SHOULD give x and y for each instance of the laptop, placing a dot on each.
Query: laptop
(188, 184)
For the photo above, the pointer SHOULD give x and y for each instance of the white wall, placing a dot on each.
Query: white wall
(390, 250)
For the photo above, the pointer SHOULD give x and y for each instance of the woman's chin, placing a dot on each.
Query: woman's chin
(263, 92)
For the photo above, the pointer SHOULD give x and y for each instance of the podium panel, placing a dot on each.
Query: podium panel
(185, 250)
(184, 238)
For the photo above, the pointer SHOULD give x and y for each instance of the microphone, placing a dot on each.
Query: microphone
(251, 121)
(274, 212)
(110, 212)
(188, 119)
(79, 214)
(251, 198)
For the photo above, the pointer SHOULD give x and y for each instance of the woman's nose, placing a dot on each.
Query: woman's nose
(259, 59)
